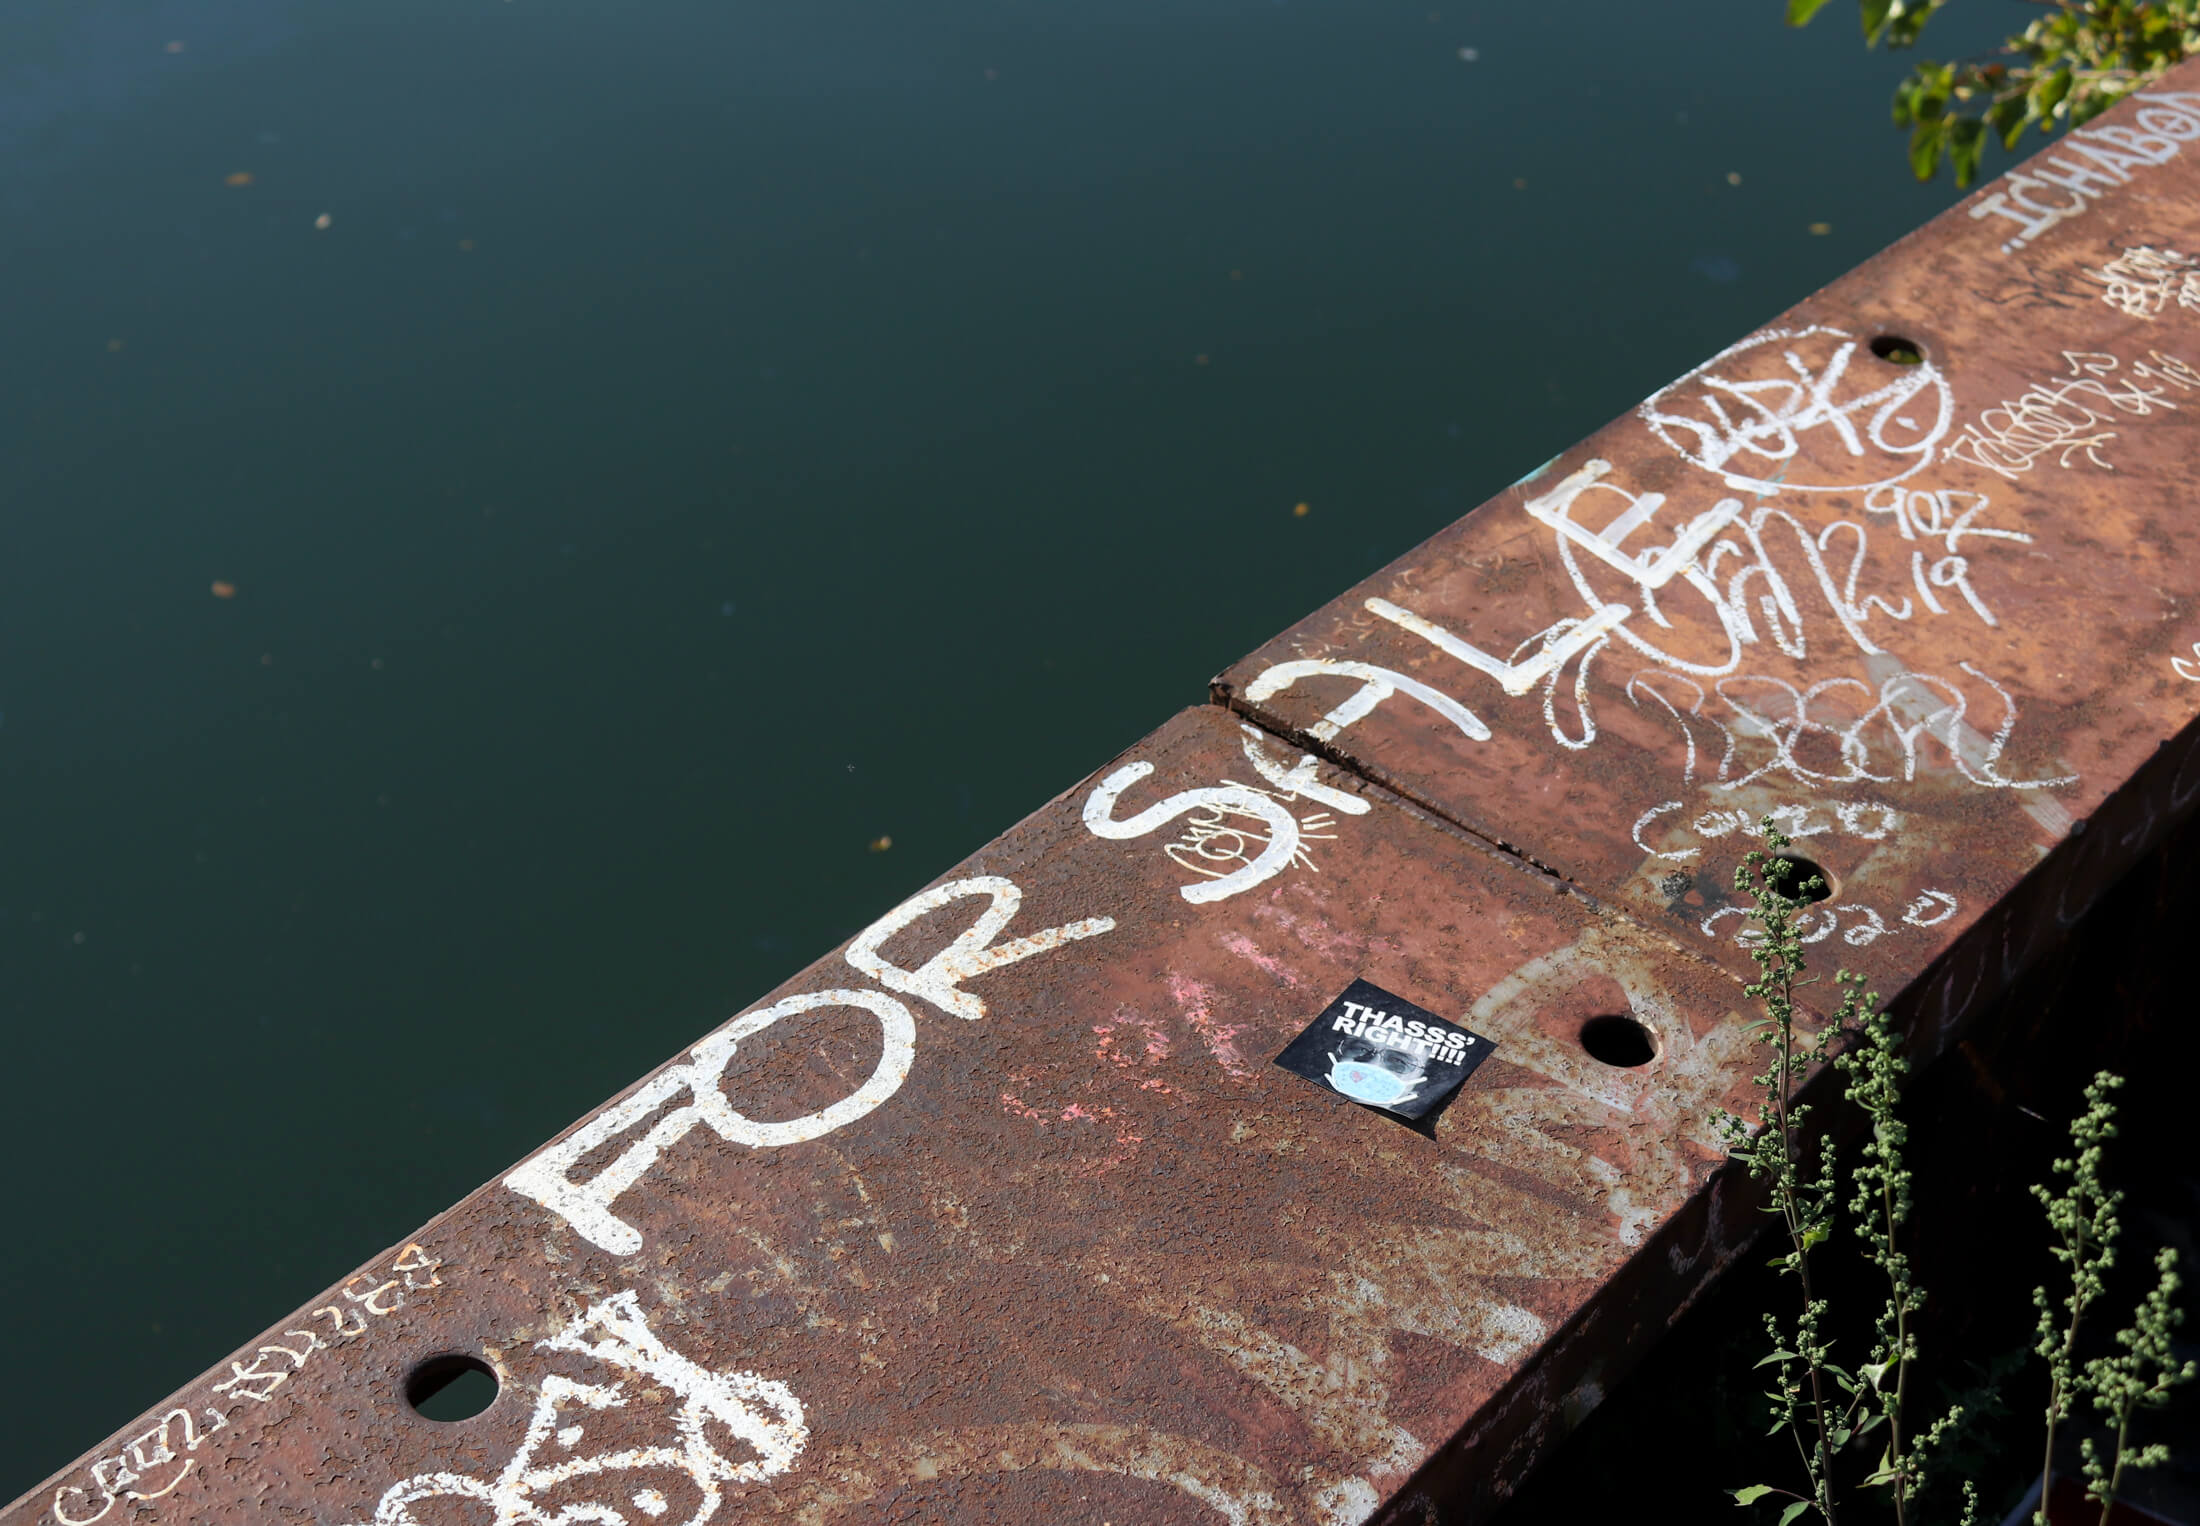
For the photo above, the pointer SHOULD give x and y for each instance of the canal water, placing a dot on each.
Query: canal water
(524, 521)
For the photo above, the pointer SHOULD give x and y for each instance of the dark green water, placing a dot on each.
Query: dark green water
(706, 438)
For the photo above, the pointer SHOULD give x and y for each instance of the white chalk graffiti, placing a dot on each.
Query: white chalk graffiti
(547, 1176)
(2188, 668)
(1866, 820)
(1240, 835)
(1815, 924)
(761, 1413)
(939, 980)
(2065, 418)
(1220, 841)
(1645, 569)
(1732, 588)
(1376, 685)
(148, 1468)
(1535, 660)
(1279, 845)
(1869, 735)
(1735, 572)
(152, 1465)
(2089, 163)
(1224, 840)
(1297, 781)
(2142, 281)
(1745, 413)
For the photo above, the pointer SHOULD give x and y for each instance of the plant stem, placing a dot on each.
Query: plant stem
(2116, 1478)
(1802, 1253)
(2057, 1396)
(1900, 1298)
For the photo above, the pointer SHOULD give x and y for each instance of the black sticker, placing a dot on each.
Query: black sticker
(1384, 1052)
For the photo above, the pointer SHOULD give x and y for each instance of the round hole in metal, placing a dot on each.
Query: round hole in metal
(1896, 350)
(453, 1386)
(1618, 1040)
(1804, 881)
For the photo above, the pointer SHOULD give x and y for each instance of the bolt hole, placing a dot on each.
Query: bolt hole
(1804, 880)
(1897, 351)
(1618, 1040)
(451, 1387)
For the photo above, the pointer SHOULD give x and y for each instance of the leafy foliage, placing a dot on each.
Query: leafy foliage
(2083, 1218)
(2138, 1377)
(1827, 1408)
(1875, 1069)
(2066, 68)
(1773, 1149)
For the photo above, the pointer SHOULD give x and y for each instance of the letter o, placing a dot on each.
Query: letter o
(2168, 122)
(897, 1030)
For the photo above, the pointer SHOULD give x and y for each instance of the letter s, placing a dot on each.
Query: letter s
(1283, 827)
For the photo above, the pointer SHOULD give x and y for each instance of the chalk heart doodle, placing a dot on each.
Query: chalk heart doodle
(759, 1413)
(1804, 410)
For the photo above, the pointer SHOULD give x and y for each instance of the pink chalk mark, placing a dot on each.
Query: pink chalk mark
(1196, 1001)
(1249, 951)
(1156, 1044)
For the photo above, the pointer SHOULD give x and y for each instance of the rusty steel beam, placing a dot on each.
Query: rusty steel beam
(1911, 568)
(1001, 1212)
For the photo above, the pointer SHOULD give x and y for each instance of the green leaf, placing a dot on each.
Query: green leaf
(1793, 1511)
(1800, 11)
(2047, 94)
(1756, 1492)
(1874, 1372)
(1908, 20)
(1904, 108)
(1927, 140)
(1873, 13)
(1814, 1236)
(1966, 137)
(2089, 104)
(1778, 1356)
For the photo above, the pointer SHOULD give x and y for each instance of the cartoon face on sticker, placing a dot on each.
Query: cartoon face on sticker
(1385, 1052)
(1381, 1077)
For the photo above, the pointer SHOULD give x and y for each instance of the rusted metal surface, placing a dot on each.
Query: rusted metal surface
(1001, 1213)
(1937, 615)
(1076, 1248)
